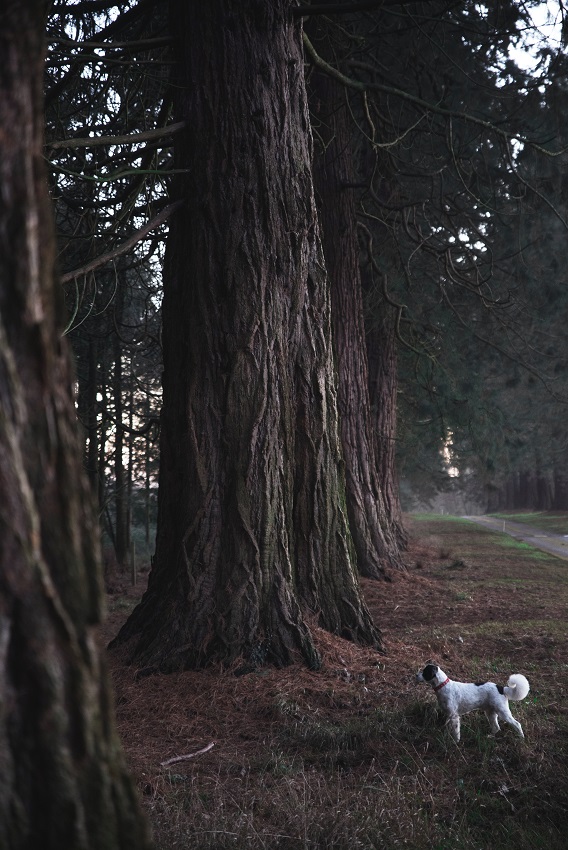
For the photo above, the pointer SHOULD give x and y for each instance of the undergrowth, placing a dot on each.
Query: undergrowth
(391, 779)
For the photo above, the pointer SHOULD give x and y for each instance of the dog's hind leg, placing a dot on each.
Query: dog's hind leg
(507, 717)
(493, 721)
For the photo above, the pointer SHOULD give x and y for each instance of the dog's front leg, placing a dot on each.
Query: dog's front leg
(453, 722)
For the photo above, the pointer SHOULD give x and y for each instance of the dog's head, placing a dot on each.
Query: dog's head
(429, 674)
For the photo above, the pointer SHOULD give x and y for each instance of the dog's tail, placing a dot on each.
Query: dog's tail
(517, 687)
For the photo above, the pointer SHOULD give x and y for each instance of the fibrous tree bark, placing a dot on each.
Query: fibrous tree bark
(252, 521)
(63, 780)
(383, 390)
(376, 545)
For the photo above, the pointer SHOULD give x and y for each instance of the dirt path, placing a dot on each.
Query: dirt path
(556, 544)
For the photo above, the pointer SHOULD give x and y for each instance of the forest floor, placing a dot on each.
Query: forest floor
(357, 756)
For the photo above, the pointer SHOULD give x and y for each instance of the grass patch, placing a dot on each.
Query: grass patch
(435, 794)
(525, 548)
(555, 522)
(443, 519)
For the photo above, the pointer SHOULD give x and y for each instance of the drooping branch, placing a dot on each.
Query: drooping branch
(127, 245)
(427, 106)
(329, 69)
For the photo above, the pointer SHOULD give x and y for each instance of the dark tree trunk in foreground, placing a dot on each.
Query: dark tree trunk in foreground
(371, 526)
(63, 779)
(252, 525)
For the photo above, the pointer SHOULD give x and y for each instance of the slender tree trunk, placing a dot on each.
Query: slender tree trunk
(544, 487)
(120, 482)
(252, 525)
(87, 405)
(529, 489)
(64, 783)
(101, 488)
(560, 502)
(371, 526)
(92, 430)
(147, 473)
(131, 458)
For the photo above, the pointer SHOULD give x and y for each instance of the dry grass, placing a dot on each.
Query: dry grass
(356, 756)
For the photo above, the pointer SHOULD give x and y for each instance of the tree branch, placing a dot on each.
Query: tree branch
(145, 43)
(91, 6)
(125, 246)
(427, 106)
(187, 756)
(133, 139)
(329, 69)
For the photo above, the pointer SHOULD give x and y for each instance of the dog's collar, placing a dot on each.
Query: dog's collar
(437, 688)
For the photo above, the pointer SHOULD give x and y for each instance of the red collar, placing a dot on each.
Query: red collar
(437, 688)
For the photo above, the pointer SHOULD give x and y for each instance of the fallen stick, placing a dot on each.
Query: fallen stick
(187, 756)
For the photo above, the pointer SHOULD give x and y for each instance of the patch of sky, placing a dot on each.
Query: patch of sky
(544, 32)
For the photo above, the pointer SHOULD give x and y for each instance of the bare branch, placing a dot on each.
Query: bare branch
(145, 43)
(427, 106)
(132, 139)
(329, 69)
(125, 246)
(188, 756)
(434, 108)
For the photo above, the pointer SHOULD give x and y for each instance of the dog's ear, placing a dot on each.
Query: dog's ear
(430, 672)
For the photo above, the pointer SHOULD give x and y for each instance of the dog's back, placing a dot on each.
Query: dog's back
(464, 697)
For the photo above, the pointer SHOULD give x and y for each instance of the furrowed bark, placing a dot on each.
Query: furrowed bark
(63, 781)
(252, 526)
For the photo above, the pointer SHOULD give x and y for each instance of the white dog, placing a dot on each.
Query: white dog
(456, 698)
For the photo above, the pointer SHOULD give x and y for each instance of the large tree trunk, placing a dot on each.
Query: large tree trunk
(371, 526)
(383, 375)
(252, 526)
(64, 783)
